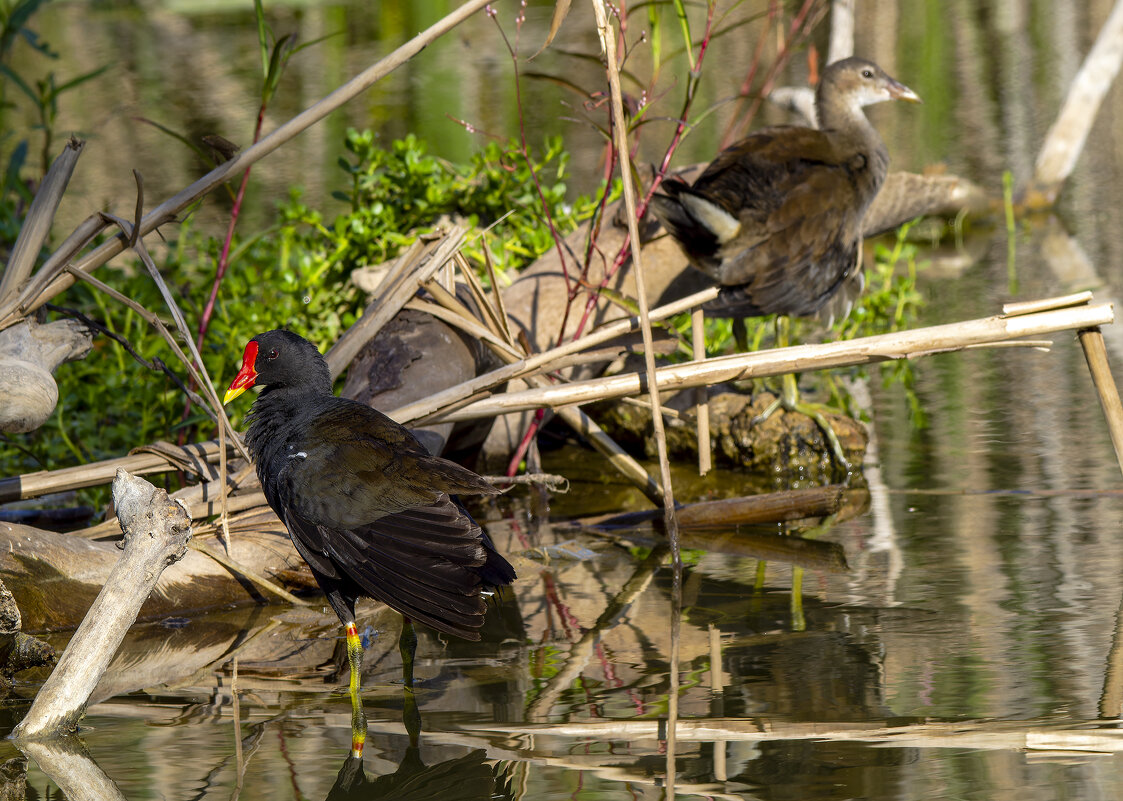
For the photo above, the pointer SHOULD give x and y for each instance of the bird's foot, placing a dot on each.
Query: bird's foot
(789, 401)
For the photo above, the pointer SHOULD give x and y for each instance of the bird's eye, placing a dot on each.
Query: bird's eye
(867, 73)
(272, 354)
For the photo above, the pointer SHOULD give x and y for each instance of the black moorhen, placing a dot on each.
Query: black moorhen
(367, 507)
(776, 219)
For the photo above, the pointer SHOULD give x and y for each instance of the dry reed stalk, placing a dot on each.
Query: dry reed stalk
(167, 211)
(620, 135)
(801, 358)
(1095, 352)
(409, 272)
(541, 361)
(701, 394)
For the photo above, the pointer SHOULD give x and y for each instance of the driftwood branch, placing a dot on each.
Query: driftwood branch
(156, 534)
(29, 353)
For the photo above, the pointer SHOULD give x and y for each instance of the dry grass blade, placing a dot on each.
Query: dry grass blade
(37, 224)
(501, 310)
(216, 411)
(240, 569)
(491, 317)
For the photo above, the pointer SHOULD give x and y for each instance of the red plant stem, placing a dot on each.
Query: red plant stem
(800, 20)
(223, 262)
(224, 257)
(524, 443)
(524, 150)
(574, 287)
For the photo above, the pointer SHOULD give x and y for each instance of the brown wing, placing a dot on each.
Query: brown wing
(793, 221)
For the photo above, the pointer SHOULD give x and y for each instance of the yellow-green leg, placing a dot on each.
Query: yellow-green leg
(789, 401)
(358, 716)
(411, 715)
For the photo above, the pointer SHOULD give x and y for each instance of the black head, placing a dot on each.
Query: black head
(280, 358)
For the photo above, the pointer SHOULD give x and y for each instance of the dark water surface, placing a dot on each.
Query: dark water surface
(963, 655)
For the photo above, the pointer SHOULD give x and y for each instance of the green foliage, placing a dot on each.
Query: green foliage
(294, 273)
(401, 189)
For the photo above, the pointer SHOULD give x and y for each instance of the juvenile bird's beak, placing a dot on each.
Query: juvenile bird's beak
(246, 376)
(898, 91)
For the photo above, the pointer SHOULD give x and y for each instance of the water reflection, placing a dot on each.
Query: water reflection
(467, 778)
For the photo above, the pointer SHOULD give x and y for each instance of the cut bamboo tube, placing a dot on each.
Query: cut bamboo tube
(702, 394)
(1045, 304)
(1092, 340)
(883, 347)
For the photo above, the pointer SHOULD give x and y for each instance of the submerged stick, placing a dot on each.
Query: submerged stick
(156, 534)
(67, 763)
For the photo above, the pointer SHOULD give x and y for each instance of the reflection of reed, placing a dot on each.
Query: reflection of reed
(581, 650)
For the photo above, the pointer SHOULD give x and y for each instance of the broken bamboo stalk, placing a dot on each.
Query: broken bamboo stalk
(156, 532)
(1095, 352)
(761, 364)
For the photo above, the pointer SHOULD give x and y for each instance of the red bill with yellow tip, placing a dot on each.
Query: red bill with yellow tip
(246, 376)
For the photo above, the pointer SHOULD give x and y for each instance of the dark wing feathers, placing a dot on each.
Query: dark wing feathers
(427, 563)
(785, 192)
(361, 466)
(370, 510)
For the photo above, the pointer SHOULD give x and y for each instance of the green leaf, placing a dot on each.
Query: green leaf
(262, 36)
(281, 52)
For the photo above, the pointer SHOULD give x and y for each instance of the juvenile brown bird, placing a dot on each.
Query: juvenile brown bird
(776, 219)
(367, 507)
